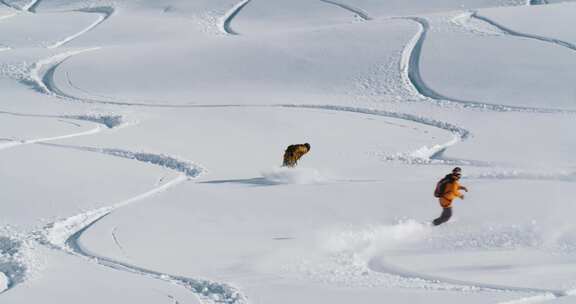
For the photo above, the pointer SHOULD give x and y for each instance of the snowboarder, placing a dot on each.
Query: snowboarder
(446, 191)
(293, 153)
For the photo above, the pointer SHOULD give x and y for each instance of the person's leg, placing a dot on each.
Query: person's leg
(444, 217)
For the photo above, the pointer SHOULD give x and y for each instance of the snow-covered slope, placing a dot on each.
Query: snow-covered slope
(140, 147)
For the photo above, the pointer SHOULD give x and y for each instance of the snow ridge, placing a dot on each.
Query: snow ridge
(410, 67)
(227, 19)
(358, 12)
(511, 32)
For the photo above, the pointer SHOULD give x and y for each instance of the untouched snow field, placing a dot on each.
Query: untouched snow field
(140, 147)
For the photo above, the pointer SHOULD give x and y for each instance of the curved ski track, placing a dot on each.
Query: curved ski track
(356, 11)
(110, 121)
(13, 143)
(74, 227)
(511, 32)
(32, 6)
(410, 67)
(29, 8)
(105, 12)
(378, 265)
(8, 4)
(228, 17)
(43, 72)
(64, 235)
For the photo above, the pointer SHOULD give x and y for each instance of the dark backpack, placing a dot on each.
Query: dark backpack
(441, 187)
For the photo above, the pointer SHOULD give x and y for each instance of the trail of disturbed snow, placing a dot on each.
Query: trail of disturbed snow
(43, 80)
(9, 143)
(410, 67)
(105, 12)
(356, 11)
(32, 6)
(109, 121)
(65, 235)
(226, 21)
(378, 265)
(29, 7)
(10, 5)
(511, 32)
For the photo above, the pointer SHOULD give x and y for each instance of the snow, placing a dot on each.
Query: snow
(141, 145)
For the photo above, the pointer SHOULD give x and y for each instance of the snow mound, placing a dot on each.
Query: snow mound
(293, 176)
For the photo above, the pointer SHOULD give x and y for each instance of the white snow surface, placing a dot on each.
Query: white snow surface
(141, 144)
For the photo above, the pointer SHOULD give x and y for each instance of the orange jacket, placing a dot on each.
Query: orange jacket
(451, 192)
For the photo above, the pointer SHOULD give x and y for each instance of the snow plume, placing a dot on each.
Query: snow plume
(343, 257)
(367, 242)
(293, 176)
(425, 154)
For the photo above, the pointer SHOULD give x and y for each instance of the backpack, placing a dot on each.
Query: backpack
(441, 187)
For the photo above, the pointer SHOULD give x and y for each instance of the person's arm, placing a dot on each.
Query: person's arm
(456, 190)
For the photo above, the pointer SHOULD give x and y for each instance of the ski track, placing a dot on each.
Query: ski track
(65, 235)
(105, 12)
(28, 8)
(356, 11)
(11, 6)
(511, 32)
(13, 143)
(188, 168)
(378, 265)
(31, 7)
(110, 121)
(563, 176)
(45, 83)
(410, 67)
(117, 242)
(230, 15)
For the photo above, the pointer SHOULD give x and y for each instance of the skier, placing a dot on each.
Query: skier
(447, 190)
(293, 153)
